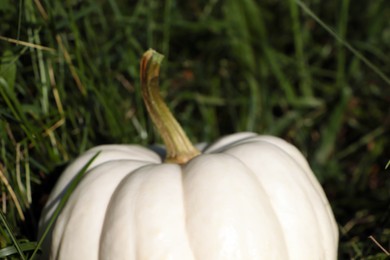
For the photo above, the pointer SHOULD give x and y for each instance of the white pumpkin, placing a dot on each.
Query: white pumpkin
(244, 197)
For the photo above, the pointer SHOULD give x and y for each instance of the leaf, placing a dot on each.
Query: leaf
(11, 250)
(8, 68)
(6, 5)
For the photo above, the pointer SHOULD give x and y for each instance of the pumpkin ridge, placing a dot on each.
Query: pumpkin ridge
(308, 174)
(126, 149)
(109, 205)
(220, 145)
(242, 201)
(184, 205)
(306, 190)
(79, 207)
(261, 185)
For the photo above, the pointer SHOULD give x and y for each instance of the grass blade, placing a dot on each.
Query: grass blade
(344, 42)
(303, 71)
(332, 128)
(12, 193)
(11, 234)
(340, 79)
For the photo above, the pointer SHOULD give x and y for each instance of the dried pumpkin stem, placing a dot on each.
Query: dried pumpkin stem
(179, 148)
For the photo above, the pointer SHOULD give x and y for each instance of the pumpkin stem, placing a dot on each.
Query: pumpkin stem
(178, 146)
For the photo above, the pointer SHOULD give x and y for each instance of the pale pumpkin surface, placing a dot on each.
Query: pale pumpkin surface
(245, 197)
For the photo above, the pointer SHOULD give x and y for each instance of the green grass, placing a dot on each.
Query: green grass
(315, 73)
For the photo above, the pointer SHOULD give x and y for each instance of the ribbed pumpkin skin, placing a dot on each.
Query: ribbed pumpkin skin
(246, 197)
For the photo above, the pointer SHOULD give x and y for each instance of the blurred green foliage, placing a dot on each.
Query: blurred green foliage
(69, 81)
